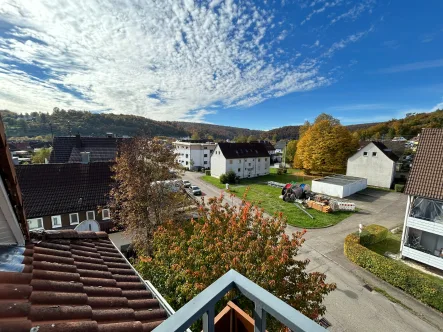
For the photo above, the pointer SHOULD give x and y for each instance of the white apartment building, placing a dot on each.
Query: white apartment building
(422, 238)
(194, 153)
(247, 160)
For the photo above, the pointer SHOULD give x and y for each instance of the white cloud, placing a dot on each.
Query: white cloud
(163, 60)
(355, 11)
(344, 42)
(412, 66)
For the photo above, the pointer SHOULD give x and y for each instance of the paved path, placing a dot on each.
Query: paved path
(351, 307)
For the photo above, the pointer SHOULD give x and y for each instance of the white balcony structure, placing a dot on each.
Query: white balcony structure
(422, 238)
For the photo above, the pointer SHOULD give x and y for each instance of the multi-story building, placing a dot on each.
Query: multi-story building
(194, 154)
(247, 160)
(422, 238)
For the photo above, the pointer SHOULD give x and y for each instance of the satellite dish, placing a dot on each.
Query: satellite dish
(88, 225)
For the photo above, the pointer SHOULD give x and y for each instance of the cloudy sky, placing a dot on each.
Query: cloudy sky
(258, 64)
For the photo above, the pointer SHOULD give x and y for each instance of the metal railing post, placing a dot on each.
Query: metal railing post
(208, 320)
(259, 318)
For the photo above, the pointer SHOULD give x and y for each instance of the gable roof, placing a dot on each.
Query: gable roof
(243, 150)
(386, 151)
(426, 176)
(69, 280)
(67, 149)
(51, 189)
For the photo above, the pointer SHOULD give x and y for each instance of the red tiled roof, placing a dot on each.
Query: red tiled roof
(75, 281)
(426, 176)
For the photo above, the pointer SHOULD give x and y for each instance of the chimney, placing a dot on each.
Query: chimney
(109, 135)
(85, 157)
(78, 141)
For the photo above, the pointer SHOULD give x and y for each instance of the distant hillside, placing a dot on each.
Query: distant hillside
(90, 124)
(407, 127)
(87, 123)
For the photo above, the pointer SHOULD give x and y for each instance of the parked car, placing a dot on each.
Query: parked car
(186, 183)
(196, 190)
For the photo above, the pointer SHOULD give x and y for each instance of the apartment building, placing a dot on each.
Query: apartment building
(194, 154)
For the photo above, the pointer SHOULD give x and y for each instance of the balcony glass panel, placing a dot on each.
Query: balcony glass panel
(427, 209)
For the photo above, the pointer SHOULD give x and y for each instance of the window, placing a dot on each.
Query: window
(105, 214)
(249, 164)
(186, 155)
(187, 162)
(266, 159)
(374, 154)
(258, 159)
(90, 215)
(365, 154)
(56, 221)
(230, 162)
(238, 170)
(239, 161)
(73, 218)
(36, 223)
(205, 155)
(205, 162)
(205, 148)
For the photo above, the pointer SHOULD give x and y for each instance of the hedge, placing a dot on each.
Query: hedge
(423, 287)
(373, 234)
(399, 188)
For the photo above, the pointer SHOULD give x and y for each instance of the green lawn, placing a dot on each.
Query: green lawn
(268, 198)
(391, 244)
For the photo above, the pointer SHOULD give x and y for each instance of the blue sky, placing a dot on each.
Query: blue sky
(258, 65)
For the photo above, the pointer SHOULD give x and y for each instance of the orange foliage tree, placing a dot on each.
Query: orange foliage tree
(188, 258)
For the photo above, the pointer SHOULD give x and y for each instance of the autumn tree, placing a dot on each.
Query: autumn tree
(188, 258)
(141, 199)
(325, 147)
(303, 129)
(241, 139)
(195, 135)
(289, 154)
(40, 156)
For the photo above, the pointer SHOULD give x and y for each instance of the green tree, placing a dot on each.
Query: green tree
(241, 139)
(141, 199)
(252, 138)
(40, 156)
(274, 138)
(190, 256)
(195, 135)
(325, 147)
(291, 148)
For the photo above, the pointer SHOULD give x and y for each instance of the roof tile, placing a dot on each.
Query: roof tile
(426, 176)
(70, 294)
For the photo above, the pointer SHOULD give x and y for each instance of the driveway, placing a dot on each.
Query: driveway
(351, 307)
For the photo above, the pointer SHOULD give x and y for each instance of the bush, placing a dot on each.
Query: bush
(279, 171)
(373, 234)
(208, 172)
(399, 188)
(230, 176)
(423, 287)
(223, 179)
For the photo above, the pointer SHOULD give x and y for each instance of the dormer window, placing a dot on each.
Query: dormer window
(374, 154)
(365, 154)
(105, 214)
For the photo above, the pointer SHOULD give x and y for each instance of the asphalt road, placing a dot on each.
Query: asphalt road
(351, 307)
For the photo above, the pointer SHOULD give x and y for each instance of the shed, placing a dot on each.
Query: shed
(338, 185)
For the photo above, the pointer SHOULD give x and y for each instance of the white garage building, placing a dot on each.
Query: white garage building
(338, 185)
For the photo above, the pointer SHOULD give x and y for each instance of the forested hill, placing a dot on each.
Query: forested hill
(86, 123)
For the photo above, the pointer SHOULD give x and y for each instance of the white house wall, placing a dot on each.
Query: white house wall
(379, 169)
(195, 152)
(327, 189)
(218, 163)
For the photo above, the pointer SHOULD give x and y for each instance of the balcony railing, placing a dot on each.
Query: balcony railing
(203, 305)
